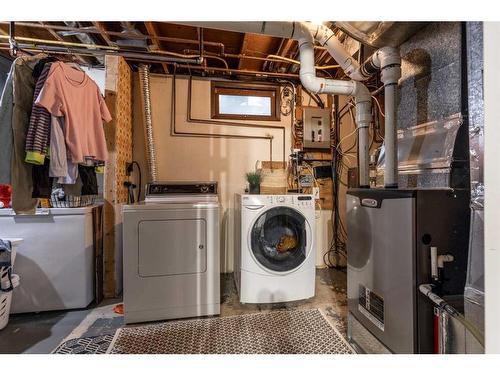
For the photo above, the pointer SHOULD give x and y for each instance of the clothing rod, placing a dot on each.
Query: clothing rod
(93, 30)
(95, 46)
(87, 52)
(149, 58)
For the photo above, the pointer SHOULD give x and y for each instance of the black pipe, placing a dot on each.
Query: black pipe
(190, 119)
(175, 133)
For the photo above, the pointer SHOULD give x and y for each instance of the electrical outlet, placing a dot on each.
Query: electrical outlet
(316, 192)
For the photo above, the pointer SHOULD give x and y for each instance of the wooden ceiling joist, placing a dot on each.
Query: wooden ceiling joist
(237, 51)
(103, 33)
(151, 28)
(243, 50)
(61, 39)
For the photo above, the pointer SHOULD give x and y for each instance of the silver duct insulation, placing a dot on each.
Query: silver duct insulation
(148, 121)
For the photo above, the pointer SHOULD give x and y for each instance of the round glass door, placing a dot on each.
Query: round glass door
(278, 239)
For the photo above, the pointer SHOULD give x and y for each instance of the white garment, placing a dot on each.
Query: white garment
(60, 167)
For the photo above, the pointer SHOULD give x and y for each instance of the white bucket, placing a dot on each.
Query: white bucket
(6, 299)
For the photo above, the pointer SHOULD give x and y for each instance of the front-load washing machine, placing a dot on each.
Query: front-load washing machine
(274, 247)
(171, 253)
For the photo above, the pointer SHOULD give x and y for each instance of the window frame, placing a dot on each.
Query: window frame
(245, 89)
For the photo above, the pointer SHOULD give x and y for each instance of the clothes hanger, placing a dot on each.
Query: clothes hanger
(69, 61)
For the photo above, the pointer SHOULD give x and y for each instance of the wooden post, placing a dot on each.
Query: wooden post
(118, 96)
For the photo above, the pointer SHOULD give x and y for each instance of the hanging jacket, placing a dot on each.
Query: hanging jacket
(6, 107)
(21, 172)
(38, 136)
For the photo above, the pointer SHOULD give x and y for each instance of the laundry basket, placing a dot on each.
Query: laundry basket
(6, 297)
(72, 201)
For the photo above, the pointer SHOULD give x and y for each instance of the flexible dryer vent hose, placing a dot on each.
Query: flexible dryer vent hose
(148, 121)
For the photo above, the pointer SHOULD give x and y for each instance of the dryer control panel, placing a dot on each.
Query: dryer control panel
(181, 187)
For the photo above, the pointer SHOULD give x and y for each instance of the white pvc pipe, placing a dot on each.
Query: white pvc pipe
(442, 259)
(303, 33)
(391, 141)
(434, 265)
(325, 37)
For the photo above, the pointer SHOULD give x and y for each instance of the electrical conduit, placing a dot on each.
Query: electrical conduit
(148, 121)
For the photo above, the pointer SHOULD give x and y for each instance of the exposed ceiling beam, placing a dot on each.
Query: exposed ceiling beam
(284, 51)
(151, 28)
(243, 49)
(61, 39)
(103, 32)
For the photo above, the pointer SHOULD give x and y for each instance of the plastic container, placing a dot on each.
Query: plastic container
(6, 300)
(5, 196)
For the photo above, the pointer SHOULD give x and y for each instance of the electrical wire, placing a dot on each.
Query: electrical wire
(140, 179)
(378, 105)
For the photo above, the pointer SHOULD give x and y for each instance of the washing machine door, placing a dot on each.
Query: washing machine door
(279, 239)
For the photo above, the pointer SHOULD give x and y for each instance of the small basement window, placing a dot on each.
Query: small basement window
(244, 101)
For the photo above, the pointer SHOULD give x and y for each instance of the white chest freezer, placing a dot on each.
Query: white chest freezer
(56, 259)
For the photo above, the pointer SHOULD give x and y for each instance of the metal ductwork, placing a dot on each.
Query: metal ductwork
(379, 34)
(148, 122)
(128, 28)
(387, 61)
(84, 38)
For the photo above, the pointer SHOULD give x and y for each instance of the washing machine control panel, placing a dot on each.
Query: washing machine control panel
(305, 201)
(302, 201)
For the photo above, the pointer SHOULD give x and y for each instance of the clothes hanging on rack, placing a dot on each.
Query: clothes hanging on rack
(63, 169)
(21, 172)
(42, 182)
(6, 107)
(89, 180)
(51, 120)
(71, 93)
(37, 139)
(38, 69)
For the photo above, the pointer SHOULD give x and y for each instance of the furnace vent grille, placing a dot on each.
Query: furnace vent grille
(372, 306)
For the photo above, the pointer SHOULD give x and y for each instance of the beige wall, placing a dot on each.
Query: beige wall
(219, 159)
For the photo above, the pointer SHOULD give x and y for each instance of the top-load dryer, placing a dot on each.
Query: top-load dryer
(171, 253)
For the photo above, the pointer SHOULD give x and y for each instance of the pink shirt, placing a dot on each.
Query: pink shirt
(71, 93)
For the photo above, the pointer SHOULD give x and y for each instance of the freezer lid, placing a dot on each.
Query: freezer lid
(52, 211)
(14, 241)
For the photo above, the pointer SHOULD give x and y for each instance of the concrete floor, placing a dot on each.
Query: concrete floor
(43, 332)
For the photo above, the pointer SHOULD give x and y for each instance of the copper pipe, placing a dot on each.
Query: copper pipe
(58, 42)
(94, 46)
(150, 58)
(175, 133)
(270, 58)
(205, 56)
(135, 56)
(240, 71)
(120, 34)
(190, 119)
(93, 30)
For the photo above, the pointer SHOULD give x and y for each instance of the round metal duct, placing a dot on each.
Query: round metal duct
(380, 34)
